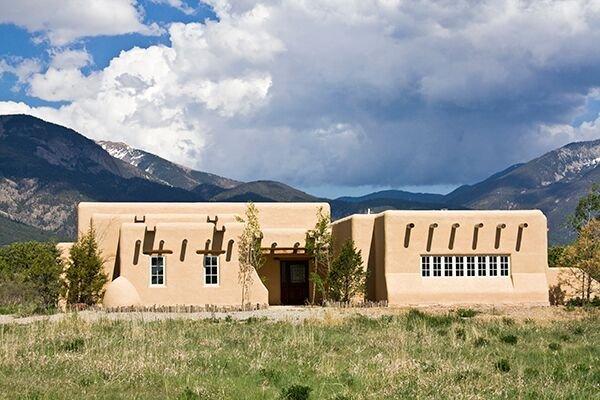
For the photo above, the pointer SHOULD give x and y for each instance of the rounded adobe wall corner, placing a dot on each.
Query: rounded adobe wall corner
(120, 293)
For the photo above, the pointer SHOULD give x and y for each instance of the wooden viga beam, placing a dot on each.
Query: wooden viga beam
(208, 251)
(161, 250)
(273, 248)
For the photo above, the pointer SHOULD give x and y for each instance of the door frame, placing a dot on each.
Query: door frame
(284, 270)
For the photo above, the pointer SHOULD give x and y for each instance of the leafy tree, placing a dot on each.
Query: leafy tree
(347, 278)
(249, 252)
(583, 258)
(554, 255)
(587, 209)
(84, 276)
(319, 245)
(35, 269)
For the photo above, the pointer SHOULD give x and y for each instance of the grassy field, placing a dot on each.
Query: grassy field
(410, 354)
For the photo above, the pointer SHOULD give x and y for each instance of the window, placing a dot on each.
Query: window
(437, 266)
(425, 271)
(476, 266)
(448, 266)
(481, 266)
(157, 271)
(493, 260)
(504, 266)
(460, 265)
(470, 266)
(211, 270)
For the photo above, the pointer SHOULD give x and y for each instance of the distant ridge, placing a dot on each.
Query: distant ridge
(46, 169)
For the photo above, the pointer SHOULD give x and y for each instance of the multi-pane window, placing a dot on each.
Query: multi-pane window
(157, 271)
(481, 266)
(425, 266)
(437, 266)
(504, 265)
(493, 261)
(475, 265)
(459, 266)
(470, 266)
(211, 270)
(448, 266)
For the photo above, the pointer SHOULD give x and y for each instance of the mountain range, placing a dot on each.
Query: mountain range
(46, 169)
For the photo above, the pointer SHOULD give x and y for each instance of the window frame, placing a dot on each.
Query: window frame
(482, 265)
(436, 266)
(459, 266)
(448, 262)
(465, 266)
(164, 271)
(493, 265)
(425, 267)
(211, 274)
(471, 266)
(502, 264)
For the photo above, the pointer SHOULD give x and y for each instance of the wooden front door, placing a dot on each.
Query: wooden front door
(294, 282)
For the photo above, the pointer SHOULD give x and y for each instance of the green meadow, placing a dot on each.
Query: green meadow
(409, 354)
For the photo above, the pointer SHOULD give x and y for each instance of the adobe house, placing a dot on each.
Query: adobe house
(451, 257)
(187, 254)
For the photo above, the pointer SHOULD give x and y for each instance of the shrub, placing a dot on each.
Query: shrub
(554, 346)
(84, 277)
(556, 295)
(466, 312)
(502, 365)
(30, 276)
(481, 342)
(509, 339)
(431, 320)
(296, 392)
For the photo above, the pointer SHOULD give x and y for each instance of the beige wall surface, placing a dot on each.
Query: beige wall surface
(130, 233)
(402, 237)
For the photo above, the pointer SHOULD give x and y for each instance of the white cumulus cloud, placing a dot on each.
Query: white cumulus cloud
(340, 92)
(63, 21)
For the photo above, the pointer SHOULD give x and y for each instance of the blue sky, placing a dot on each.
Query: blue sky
(337, 97)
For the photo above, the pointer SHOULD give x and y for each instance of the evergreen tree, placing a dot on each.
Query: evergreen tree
(84, 277)
(31, 271)
(347, 278)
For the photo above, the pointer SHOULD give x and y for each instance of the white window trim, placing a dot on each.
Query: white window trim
(164, 265)
(218, 272)
(476, 258)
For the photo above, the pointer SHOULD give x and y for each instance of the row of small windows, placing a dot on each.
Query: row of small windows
(158, 270)
(480, 265)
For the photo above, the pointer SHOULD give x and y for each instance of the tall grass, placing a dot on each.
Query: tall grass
(413, 355)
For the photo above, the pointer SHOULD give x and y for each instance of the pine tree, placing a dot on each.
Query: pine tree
(84, 277)
(347, 277)
(249, 252)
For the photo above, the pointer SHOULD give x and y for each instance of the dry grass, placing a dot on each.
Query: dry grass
(387, 354)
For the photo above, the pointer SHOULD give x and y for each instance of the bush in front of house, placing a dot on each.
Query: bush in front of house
(347, 277)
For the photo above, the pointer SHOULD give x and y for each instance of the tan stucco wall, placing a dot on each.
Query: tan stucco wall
(171, 223)
(397, 268)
